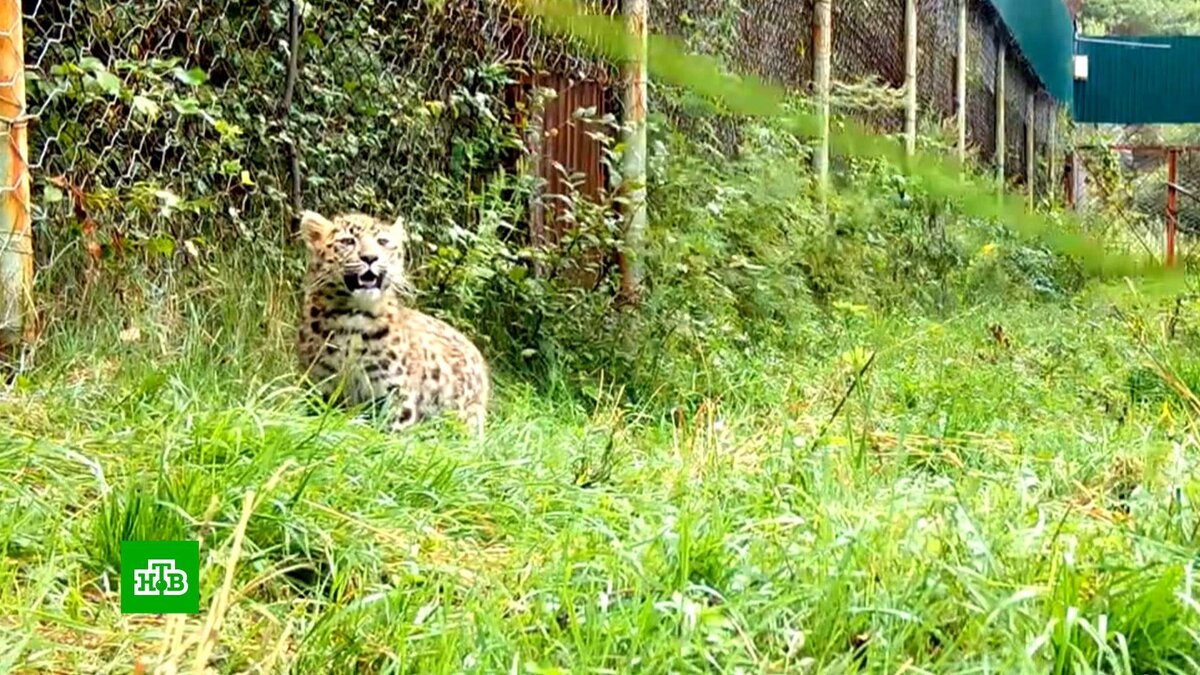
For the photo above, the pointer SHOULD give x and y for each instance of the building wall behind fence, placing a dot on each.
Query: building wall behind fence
(1140, 80)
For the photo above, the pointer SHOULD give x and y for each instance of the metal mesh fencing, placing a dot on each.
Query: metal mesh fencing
(774, 40)
(1128, 189)
(194, 120)
(171, 122)
(981, 86)
(710, 27)
(868, 48)
(937, 49)
(1188, 199)
(1187, 205)
(1016, 91)
(1045, 126)
(770, 39)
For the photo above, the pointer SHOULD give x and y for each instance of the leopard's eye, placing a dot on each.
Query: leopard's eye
(346, 241)
(385, 242)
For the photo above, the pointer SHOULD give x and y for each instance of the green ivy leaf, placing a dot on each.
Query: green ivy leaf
(193, 77)
(228, 131)
(91, 64)
(164, 246)
(169, 201)
(187, 106)
(145, 107)
(110, 84)
(313, 40)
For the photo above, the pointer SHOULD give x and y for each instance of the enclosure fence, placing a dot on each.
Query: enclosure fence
(1150, 193)
(774, 39)
(166, 126)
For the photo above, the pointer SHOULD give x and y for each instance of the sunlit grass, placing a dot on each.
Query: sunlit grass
(1012, 499)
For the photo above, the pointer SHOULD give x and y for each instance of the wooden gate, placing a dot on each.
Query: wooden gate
(563, 148)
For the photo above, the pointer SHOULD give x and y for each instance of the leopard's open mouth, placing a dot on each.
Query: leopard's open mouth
(364, 282)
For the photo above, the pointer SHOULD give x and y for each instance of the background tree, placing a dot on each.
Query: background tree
(1129, 17)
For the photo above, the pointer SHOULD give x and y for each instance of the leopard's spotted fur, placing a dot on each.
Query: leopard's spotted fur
(359, 340)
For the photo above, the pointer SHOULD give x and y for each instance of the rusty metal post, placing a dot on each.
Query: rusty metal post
(16, 243)
(634, 174)
(822, 74)
(1172, 203)
(910, 77)
(961, 81)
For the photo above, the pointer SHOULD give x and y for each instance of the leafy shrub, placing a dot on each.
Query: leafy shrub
(742, 259)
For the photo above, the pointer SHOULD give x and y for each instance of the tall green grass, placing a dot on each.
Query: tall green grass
(870, 434)
(977, 504)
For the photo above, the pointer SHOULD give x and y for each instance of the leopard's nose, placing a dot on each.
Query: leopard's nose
(368, 258)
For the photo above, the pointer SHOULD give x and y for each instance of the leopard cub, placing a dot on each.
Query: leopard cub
(357, 339)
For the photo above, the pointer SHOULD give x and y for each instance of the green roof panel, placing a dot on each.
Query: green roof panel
(1139, 80)
(1045, 32)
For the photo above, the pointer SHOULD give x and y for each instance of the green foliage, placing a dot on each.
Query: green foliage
(869, 431)
(177, 143)
(1135, 17)
(974, 505)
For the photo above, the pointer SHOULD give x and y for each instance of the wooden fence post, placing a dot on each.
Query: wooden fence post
(961, 77)
(16, 238)
(1001, 141)
(1053, 179)
(822, 74)
(1172, 203)
(910, 77)
(1030, 147)
(636, 19)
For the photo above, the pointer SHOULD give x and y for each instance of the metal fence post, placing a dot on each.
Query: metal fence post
(1172, 203)
(636, 19)
(822, 73)
(16, 244)
(910, 77)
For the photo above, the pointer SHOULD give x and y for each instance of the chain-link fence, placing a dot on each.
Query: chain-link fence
(1149, 194)
(172, 122)
(1188, 197)
(868, 47)
(774, 39)
(218, 119)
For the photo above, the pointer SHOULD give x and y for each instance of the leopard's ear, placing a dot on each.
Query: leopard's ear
(315, 228)
(399, 229)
